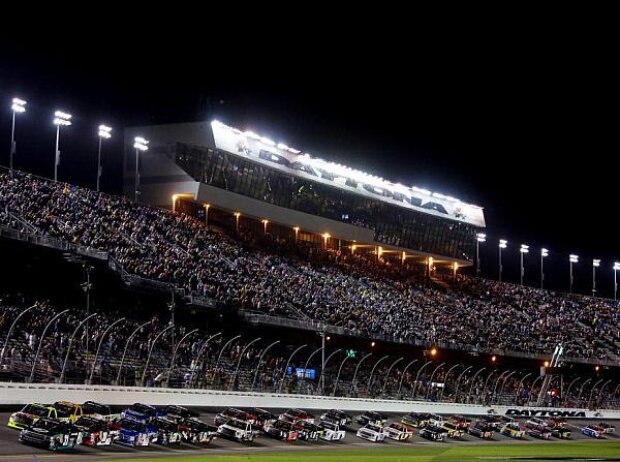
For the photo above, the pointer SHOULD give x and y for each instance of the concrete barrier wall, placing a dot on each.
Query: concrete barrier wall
(20, 393)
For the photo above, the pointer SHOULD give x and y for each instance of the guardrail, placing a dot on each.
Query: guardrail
(19, 394)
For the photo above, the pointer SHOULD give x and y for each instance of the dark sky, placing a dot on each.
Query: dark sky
(523, 121)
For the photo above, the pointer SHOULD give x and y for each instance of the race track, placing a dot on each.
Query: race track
(12, 450)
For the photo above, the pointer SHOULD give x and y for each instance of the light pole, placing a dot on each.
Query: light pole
(502, 245)
(480, 237)
(543, 254)
(265, 222)
(104, 133)
(595, 264)
(61, 119)
(523, 250)
(18, 106)
(616, 268)
(140, 144)
(207, 207)
(572, 259)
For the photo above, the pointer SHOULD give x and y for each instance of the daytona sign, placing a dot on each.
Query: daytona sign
(544, 413)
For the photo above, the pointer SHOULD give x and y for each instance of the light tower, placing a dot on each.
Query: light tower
(503, 243)
(523, 250)
(18, 106)
(61, 119)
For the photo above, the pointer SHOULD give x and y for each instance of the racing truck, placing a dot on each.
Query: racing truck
(51, 434)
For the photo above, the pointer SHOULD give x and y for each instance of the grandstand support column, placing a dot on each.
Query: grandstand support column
(357, 368)
(497, 383)
(501, 389)
(148, 358)
(338, 376)
(70, 343)
(127, 342)
(36, 356)
(613, 396)
(172, 308)
(458, 383)
(445, 380)
(219, 356)
(304, 374)
(260, 359)
(87, 286)
(203, 347)
(570, 385)
(105, 332)
(430, 382)
(521, 385)
(387, 375)
(417, 376)
(324, 365)
(288, 361)
(13, 324)
(600, 391)
(402, 377)
(486, 382)
(581, 390)
(473, 381)
(323, 338)
(592, 392)
(248, 345)
(372, 371)
(174, 354)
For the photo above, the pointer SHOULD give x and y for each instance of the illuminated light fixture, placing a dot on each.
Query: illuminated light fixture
(544, 252)
(140, 143)
(596, 263)
(546, 363)
(18, 106)
(62, 118)
(237, 214)
(481, 237)
(503, 243)
(105, 131)
(616, 266)
(573, 258)
(493, 358)
(372, 344)
(524, 248)
(433, 351)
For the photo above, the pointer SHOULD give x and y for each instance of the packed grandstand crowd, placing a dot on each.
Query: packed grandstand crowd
(237, 363)
(340, 289)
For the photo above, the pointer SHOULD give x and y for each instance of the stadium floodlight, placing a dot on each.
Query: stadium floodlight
(543, 254)
(61, 119)
(616, 268)
(105, 132)
(503, 243)
(140, 144)
(596, 262)
(480, 237)
(523, 250)
(572, 258)
(18, 106)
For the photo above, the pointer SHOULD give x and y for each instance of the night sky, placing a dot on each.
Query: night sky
(524, 125)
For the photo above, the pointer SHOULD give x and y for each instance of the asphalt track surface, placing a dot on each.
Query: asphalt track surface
(13, 451)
